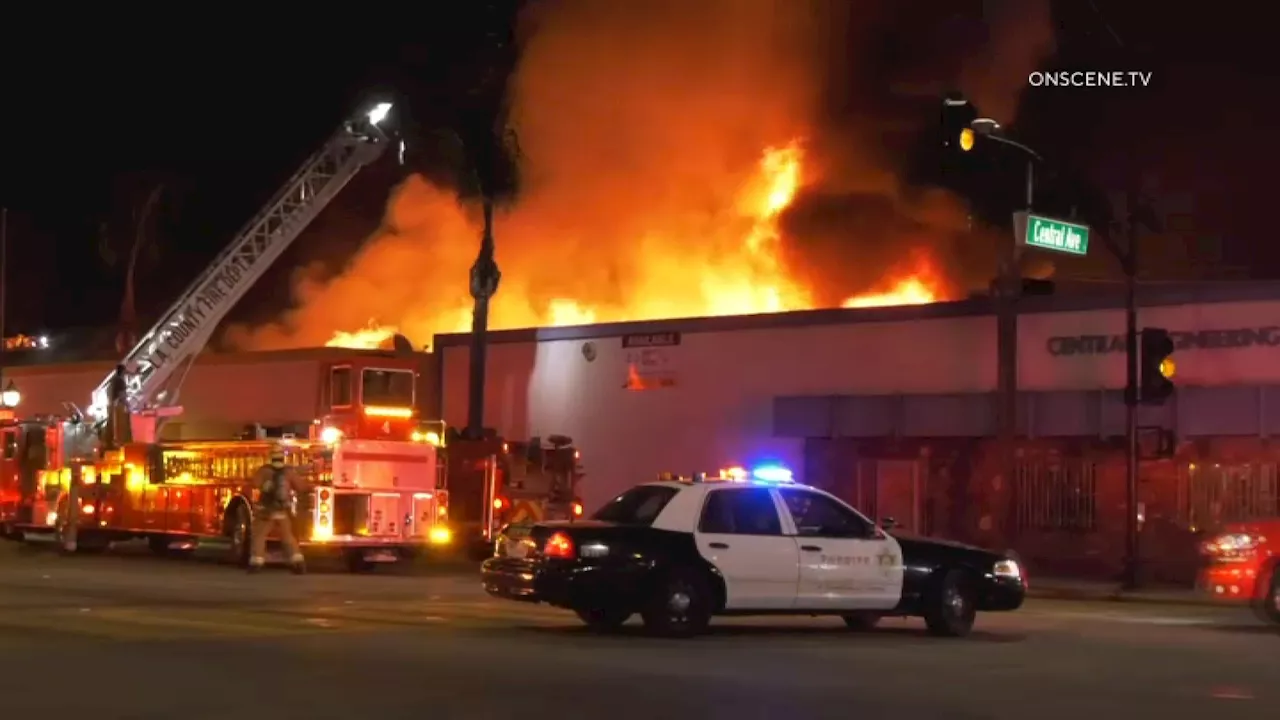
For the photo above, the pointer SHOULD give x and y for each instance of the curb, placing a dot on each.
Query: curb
(1120, 596)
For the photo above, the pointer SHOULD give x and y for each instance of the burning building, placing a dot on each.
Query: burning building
(893, 409)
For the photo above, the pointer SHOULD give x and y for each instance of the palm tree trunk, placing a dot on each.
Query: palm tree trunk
(485, 277)
(127, 334)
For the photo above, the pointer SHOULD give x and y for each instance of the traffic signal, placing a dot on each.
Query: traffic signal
(957, 114)
(1155, 367)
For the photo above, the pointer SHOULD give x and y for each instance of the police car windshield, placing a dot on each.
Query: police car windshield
(637, 506)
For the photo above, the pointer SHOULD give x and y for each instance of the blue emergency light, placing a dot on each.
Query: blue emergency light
(772, 473)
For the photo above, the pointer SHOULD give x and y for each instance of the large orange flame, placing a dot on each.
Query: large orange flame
(749, 279)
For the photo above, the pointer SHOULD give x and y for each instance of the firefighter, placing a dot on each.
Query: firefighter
(118, 430)
(275, 481)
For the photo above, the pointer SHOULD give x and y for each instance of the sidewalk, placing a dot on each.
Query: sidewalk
(1068, 589)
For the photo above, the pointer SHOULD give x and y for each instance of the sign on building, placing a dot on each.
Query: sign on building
(651, 360)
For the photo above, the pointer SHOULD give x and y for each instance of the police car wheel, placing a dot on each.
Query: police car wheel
(679, 606)
(603, 620)
(861, 621)
(951, 607)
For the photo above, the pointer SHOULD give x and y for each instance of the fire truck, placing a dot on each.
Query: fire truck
(494, 483)
(95, 477)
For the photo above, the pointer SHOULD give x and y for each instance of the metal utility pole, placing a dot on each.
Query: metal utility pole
(1129, 260)
(1009, 290)
(1127, 254)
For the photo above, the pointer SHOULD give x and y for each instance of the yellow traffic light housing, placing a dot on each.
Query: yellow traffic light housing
(967, 139)
(1156, 366)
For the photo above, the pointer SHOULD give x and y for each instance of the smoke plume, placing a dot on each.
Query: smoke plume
(642, 123)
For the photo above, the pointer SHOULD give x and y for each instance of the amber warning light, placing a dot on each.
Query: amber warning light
(388, 412)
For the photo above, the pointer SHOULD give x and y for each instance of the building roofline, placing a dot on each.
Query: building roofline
(217, 358)
(1100, 296)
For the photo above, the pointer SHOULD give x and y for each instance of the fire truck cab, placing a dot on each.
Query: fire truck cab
(377, 487)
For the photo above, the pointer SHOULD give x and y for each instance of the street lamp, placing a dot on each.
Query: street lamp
(989, 129)
(1007, 290)
(10, 397)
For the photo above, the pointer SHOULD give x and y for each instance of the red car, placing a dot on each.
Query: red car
(1243, 566)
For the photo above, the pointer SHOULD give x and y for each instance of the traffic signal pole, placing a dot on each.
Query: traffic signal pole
(1009, 288)
(1132, 528)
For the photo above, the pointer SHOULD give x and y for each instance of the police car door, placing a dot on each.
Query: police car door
(846, 563)
(740, 533)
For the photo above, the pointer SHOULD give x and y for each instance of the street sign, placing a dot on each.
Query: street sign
(1048, 233)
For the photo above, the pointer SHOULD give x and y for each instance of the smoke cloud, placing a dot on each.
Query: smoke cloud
(641, 123)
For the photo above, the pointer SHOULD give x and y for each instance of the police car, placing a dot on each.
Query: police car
(680, 551)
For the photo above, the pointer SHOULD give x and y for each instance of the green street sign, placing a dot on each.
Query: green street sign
(1048, 233)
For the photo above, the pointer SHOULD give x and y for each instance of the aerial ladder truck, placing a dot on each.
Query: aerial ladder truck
(93, 477)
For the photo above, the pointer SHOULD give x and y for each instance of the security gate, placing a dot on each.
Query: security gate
(892, 489)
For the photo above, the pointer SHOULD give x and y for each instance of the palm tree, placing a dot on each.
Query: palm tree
(489, 171)
(126, 249)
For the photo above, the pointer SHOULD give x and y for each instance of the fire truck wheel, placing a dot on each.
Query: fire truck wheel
(87, 542)
(603, 620)
(356, 562)
(238, 532)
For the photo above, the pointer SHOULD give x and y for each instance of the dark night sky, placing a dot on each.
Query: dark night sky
(223, 118)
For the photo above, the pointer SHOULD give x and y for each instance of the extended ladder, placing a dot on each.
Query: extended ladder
(155, 368)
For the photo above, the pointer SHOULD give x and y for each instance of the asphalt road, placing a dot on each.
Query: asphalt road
(140, 638)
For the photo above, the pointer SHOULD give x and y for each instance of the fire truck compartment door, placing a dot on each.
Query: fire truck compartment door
(424, 513)
(384, 514)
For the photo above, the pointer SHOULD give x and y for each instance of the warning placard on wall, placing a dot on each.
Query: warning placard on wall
(650, 360)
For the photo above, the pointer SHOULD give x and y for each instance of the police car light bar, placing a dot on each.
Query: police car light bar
(763, 473)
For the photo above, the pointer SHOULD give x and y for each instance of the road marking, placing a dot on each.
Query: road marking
(1131, 619)
(1231, 693)
(157, 623)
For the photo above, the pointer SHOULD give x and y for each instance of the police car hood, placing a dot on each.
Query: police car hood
(917, 542)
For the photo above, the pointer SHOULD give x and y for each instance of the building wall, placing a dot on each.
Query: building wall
(738, 390)
(716, 405)
(1065, 512)
(1224, 343)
